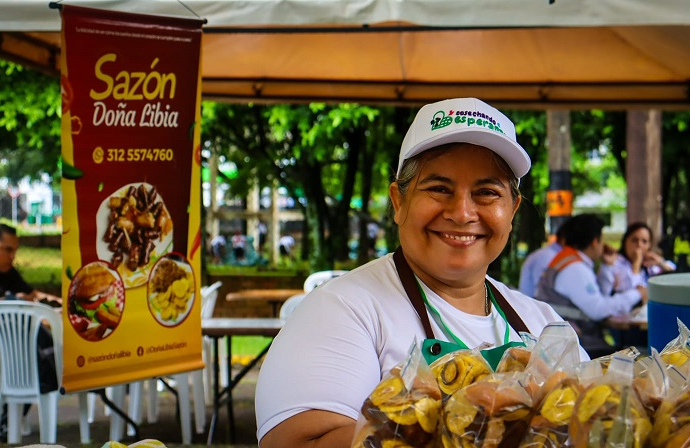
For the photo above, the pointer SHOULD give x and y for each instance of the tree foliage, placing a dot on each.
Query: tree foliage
(29, 123)
(325, 155)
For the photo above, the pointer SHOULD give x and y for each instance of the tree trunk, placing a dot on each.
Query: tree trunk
(643, 168)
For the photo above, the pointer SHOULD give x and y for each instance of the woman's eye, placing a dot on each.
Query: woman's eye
(486, 192)
(437, 189)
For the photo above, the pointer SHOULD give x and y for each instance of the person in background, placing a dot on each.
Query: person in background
(286, 245)
(11, 281)
(238, 242)
(218, 244)
(634, 263)
(13, 286)
(263, 232)
(536, 262)
(570, 284)
(454, 199)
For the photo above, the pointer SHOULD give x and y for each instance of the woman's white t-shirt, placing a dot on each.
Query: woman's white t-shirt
(347, 333)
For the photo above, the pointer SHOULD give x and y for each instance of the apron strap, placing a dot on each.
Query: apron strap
(512, 316)
(412, 289)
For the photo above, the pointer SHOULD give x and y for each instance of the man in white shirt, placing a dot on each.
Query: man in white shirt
(218, 248)
(570, 285)
(536, 263)
(287, 245)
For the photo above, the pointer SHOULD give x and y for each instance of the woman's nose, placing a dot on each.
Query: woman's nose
(461, 209)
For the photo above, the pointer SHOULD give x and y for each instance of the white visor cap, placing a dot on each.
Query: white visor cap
(464, 120)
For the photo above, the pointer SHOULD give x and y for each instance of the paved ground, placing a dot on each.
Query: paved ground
(167, 429)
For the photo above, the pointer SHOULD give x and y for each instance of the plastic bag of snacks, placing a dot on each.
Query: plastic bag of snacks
(488, 413)
(677, 351)
(515, 359)
(458, 369)
(608, 412)
(403, 410)
(672, 421)
(548, 426)
(655, 381)
(557, 348)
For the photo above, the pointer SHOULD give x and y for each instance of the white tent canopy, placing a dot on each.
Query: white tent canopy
(35, 15)
(524, 54)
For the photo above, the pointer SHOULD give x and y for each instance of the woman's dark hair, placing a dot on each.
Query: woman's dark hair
(632, 228)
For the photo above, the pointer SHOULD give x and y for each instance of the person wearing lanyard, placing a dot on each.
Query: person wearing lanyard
(454, 199)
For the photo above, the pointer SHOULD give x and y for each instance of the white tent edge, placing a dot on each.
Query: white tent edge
(37, 16)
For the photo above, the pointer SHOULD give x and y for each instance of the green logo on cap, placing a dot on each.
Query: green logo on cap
(470, 118)
(440, 120)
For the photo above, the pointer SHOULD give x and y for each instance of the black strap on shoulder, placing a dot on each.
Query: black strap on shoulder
(412, 289)
(512, 316)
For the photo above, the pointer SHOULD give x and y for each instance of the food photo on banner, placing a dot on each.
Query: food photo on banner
(130, 87)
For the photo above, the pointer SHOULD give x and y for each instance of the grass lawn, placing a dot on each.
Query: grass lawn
(39, 265)
(245, 348)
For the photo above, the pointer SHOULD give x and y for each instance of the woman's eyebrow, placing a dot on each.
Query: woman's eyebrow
(435, 178)
(490, 181)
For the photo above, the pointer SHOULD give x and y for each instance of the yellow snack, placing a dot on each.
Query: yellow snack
(459, 369)
(487, 413)
(180, 287)
(401, 417)
(671, 427)
(676, 358)
(592, 401)
(559, 404)
(608, 414)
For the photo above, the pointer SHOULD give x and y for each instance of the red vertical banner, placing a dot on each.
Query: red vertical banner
(131, 210)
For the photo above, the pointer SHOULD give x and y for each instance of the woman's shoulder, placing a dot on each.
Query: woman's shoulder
(375, 282)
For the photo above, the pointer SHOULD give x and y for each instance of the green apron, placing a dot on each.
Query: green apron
(433, 348)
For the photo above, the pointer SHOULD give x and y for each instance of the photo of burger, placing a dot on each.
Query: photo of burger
(96, 300)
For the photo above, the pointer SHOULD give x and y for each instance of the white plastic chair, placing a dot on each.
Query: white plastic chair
(201, 381)
(290, 305)
(318, 278)
(209, 295)
(19, 381)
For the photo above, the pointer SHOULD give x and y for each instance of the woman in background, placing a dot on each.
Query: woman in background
(634, 263)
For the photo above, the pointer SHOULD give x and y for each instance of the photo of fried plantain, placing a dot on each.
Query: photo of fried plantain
(171, 290)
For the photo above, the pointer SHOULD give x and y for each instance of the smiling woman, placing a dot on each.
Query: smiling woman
(454, 199)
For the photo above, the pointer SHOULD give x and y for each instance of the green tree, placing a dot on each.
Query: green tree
(325, 155)
(29, 123)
